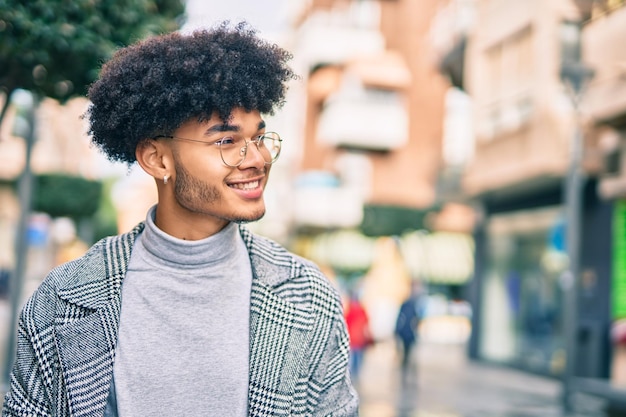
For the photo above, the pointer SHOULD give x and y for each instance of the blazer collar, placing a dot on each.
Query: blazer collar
(271, 265)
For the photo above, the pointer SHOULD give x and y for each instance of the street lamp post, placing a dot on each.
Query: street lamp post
(575, 75)
(25, 127)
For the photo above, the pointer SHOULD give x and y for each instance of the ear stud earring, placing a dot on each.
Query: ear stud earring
(165, 178)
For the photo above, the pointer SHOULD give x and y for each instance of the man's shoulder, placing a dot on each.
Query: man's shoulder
(103, 257)
(62, 274)
(40, 309)
(268, 250)
(289, 271)
(105, 253)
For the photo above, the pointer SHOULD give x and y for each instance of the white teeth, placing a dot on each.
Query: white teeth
(246, 186)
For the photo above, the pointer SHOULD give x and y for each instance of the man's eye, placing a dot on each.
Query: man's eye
(259, 139)
(229, 140)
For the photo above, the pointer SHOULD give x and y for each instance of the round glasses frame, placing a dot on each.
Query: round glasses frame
(268, 144)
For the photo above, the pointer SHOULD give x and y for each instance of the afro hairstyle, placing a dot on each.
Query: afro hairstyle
(151, 88)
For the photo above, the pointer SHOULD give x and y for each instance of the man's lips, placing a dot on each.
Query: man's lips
(251, 182)
(250, 185)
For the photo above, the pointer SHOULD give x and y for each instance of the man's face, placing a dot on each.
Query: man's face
(204, 185)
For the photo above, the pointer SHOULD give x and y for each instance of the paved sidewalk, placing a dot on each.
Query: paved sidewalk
(444, 383)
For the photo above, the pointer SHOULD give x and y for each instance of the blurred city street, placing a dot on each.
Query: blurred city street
(472, 152)
(444, 383)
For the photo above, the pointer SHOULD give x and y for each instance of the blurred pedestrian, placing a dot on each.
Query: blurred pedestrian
(359, 331)
(407, 323)
(190, 313)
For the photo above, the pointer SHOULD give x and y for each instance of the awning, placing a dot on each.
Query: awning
(440, 257)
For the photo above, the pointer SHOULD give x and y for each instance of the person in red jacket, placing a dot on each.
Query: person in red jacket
(359, 333)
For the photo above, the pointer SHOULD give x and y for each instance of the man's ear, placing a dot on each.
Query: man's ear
(154, 158)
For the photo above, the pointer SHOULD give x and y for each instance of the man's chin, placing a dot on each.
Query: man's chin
(248, 219)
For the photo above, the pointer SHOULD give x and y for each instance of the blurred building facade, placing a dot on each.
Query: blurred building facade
(509, 62)
(373, 101)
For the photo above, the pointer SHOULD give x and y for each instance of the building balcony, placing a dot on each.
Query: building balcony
(322, 202)
(368, 119)
(328, 42)
(605, 96)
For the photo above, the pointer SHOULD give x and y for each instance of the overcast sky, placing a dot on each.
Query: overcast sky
(266, 15)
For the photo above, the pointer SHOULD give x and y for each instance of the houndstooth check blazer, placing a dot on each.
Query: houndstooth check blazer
(68, 332)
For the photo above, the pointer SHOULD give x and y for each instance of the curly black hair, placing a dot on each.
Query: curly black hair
(152, 87)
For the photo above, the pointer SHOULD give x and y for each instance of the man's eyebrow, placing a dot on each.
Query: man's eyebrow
(221, 127)
(225, 127)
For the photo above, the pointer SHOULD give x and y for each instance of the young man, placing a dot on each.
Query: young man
(189, 314)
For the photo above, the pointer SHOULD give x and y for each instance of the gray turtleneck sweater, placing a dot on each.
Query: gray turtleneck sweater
(183, 342)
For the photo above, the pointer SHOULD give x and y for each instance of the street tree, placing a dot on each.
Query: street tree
(54, 48)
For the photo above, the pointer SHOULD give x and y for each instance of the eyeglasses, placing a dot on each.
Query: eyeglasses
(233, 149)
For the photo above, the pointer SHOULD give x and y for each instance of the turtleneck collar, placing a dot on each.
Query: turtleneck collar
(188, 254)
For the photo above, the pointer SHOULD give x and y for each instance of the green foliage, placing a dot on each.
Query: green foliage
(61, 195)
(379, 220)
(105, 219)
(54, 48)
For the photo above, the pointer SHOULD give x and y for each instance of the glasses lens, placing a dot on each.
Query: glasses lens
(233, 150)
(271, 144)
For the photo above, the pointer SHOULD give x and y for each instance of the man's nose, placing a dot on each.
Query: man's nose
(253, 155)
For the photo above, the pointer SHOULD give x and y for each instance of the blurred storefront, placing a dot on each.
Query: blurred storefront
(521, 270)
(605, 104)
(524, 123)
(521, 319)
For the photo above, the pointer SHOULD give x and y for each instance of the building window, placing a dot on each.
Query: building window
(510, 71)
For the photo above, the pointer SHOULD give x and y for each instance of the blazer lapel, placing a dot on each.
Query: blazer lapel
(279, 334)
(86, 351)
(280, 330)
(88, 322)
